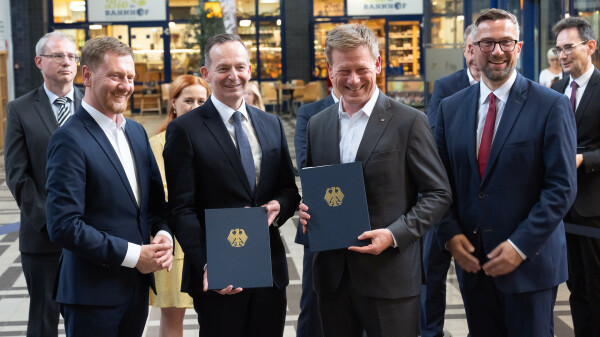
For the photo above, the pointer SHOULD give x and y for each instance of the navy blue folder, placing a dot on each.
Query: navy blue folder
(337, 204)
(238, 248)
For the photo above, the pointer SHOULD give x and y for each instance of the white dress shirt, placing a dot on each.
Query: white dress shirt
(472, 79)
(582, 81)
(484, 102)
(226, 114)
(55, 108)
(115, 132)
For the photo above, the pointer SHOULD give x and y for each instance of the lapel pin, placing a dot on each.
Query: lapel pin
(383, 120)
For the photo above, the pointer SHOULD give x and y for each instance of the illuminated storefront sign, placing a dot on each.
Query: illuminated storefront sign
(384, 7)
(126, 10)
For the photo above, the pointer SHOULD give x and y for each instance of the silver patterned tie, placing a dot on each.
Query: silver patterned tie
(63, 110)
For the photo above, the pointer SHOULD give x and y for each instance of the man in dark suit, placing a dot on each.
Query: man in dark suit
(375, 287)
(309, 321)
(227, 154)
(436, 259)
(575, 45)
(31, 120)
(508, 146)
(105, 199)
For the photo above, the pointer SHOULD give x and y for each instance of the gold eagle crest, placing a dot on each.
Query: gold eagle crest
(334, 196)
(237, 237)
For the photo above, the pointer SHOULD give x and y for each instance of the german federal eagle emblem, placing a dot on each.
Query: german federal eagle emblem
(334, 196)
(237, 237)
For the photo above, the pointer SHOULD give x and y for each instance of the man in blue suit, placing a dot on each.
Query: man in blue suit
(105, 199)
(436, 259)
(227, 154)
(508, 145)
(309, 321)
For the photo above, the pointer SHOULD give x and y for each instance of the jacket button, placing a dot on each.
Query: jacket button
(482, 195)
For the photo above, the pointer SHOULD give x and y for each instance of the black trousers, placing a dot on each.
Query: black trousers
(40, 273)
(258, 312)
(584, 277)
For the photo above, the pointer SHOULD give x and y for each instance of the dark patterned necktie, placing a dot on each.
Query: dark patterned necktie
(63, 110)
(244, 148)
(573, 99)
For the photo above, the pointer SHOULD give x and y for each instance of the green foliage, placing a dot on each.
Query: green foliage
(202, 26)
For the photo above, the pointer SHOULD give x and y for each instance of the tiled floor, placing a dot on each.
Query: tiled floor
(14, 300)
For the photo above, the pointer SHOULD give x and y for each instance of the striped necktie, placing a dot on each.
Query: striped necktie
(63, 110)
(244, 149)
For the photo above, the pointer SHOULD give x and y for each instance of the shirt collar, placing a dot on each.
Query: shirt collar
(226, 112)
(103, 121)
(472, 80)
(367, 108)
(501, 93)
(52, 96)
(335, 99)
(583, 80)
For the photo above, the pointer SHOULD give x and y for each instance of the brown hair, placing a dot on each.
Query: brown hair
(494, 14)
(94, 50)
(350, 36)
(584, 28)
(175, 90)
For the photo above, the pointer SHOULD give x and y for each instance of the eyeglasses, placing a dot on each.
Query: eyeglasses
(488, 46)
(59, 57)
(567, 49)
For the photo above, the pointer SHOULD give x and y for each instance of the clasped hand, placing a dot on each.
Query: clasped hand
(502, 260)
(156, 256)
(381, 238)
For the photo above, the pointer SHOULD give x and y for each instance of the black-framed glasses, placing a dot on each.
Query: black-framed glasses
(567, 49)
(59, 57)
(488, 46)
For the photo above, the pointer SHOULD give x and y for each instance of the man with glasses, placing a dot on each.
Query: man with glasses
(31, 120)
(508, 146)
(575, 45)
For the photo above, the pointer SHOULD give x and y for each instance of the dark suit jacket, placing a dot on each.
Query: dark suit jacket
(92, 212)
(304, 114)
(400, 162)
(30, 122)
(204, 170)
(528, 185)
(445, 87)
(587, 118)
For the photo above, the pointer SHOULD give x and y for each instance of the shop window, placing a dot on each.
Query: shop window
(68, 11)
(247, 31)
(268, 8)
(447, 30)
(182, 9)
(148, 50)
(328, 7)
(590, 10)
(183, 59)
(78, 36)
(270, 50)
(245, 8)
(321, 30)
(447, 6)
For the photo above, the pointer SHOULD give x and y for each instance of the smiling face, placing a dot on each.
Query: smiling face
(228, 73)
(110, 85)
(580, 59)
(353, 72)
(57, 73)
(190, 98)
(496, 66)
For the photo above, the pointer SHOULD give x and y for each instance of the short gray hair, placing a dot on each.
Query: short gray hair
(466, 34)
(40, 46)
(550, 54)
(493, 15)
(350, 36)
(221, 39)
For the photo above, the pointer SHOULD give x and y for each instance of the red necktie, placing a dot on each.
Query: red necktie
(574, 87)
(487, 135)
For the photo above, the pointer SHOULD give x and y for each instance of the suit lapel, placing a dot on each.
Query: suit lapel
(78, 97)
(465, 78)
(331, 134)
(137, 147)
(44, 110)
(470, 120)
(516, 101)
(590, 91)
(261, 136)
(378, 121)
(98, 134)
(215, 126)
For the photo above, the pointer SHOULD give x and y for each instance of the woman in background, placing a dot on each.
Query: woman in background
(253, 97)
(553, 72)
(186, 93)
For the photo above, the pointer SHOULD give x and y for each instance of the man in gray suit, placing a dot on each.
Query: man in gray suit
(31, 120)
(375, 287)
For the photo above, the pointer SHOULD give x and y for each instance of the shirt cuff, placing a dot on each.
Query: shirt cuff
(523, 256)
(165, 233)
(132, 256)
(393, 238)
